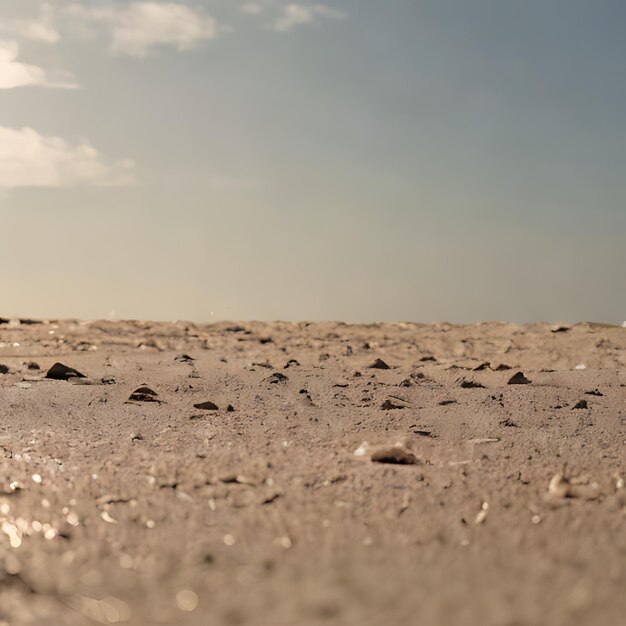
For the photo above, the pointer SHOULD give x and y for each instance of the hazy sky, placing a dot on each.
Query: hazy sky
(360, 160)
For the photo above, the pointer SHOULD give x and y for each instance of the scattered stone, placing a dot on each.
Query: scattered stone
(397, 455)
(581, 404)
(393, 402)
(428, 359)
(207, 406)
(595, 392)
(108, 380)
(291, 363)
(509, 423)
(471, 384)
(483, 366)
(503, 367)
(379, 364)
(519, 379)
(264, 340)
(561, 328)
(184, 358)
(62, 372)
(420, 432)
(4, 369)
(276, 377)
(264, 364)
(144, 394)
(446, 402)
(31, 365)
(230, 408)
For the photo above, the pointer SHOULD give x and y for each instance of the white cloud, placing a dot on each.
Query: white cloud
(41, 28)
(28, 159)
(15, 74)
(294, 15)
(140, 28)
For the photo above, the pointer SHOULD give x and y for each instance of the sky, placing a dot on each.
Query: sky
(353, 160)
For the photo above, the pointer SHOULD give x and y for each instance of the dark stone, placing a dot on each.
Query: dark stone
(471, 384)
(207, 406)
(144, 394)
(379, 364)
(276, 377)
(581, 404)
(184, 358)
(395, 455)
(62, 372)
(519, 379)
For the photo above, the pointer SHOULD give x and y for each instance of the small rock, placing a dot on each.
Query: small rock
(184, 358)
(483, 366)
(502, 367)
(397, 455)
(595, 392)
(291, 363)
(393, 402)
(4, 369)
(581, 404)
(62, 372)
(144, 394)
(31, 365)
(471, 384)
(108, 380)
(561, 328)
(276, 377)
(379, 364)
(519, 379)
(207, 406)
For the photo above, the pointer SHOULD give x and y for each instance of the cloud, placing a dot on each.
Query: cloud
(141, 28)
(38, 29)
(28, 159)
(15, 74)
(294, 15)
(252, 8)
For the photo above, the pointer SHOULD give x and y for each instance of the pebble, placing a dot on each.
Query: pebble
(63, 372)
(518, 379)
(397, 455)
(379, 364)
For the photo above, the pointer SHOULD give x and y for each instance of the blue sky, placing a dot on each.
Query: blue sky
(355, 160)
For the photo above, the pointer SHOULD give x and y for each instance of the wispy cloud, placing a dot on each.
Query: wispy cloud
(28, 159)
(294, 15)
(141, 28)
(41, 28)
(252, 8)
(13, 73)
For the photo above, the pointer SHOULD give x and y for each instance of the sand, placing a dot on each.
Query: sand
(499, 504)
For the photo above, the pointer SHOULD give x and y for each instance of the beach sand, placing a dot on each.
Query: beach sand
(509, 508)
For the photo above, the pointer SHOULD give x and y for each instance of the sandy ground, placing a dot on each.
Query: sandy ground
(512, 513)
